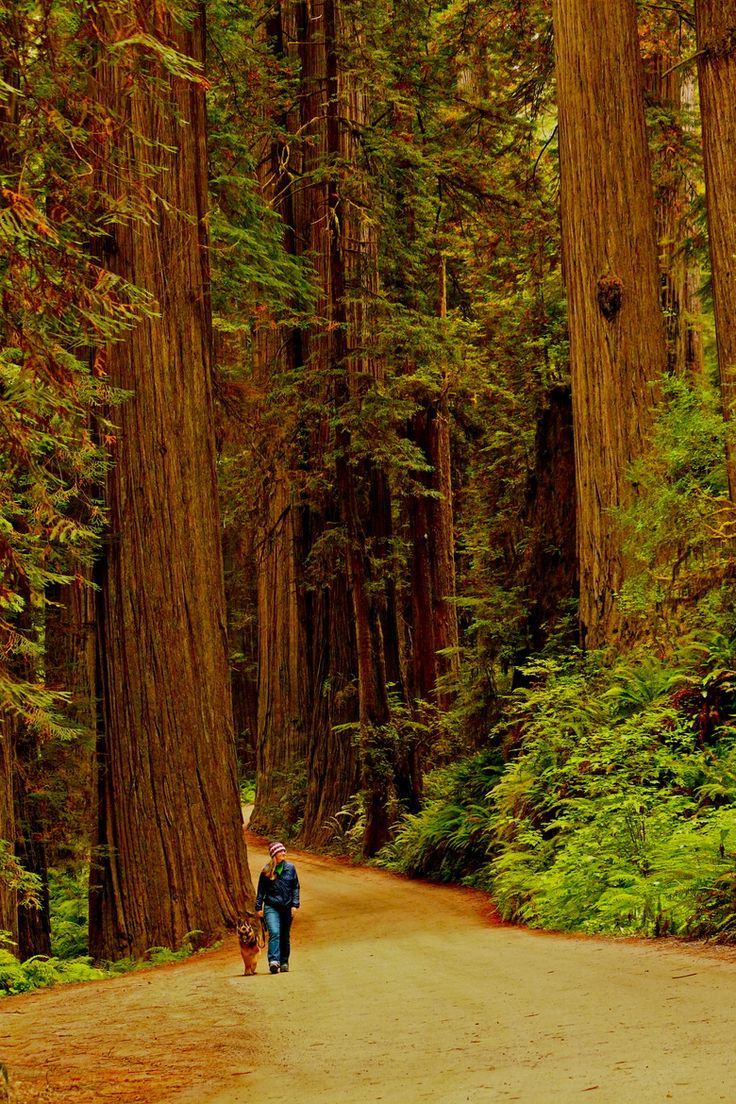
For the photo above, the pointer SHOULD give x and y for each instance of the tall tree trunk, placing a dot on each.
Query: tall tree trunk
(170, 849)
(283, 688)
(70, 660)
(306, 644)
(333, 771)
(617, 343)
(328, 637)
(434, 655)
(690, 356)
(548, 569)
(387, 770)
(716, 34)
(34, 924)
(240, 602)
(672, 90)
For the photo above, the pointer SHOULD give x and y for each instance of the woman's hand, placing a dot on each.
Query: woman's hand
(294, 911)
(259, 912)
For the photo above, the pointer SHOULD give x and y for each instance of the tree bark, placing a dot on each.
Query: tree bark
(434, 655)
(617, 344)
(70, 661)
(170, 855)
(716, 35)
(283, 688)
(240, 602)
(549, 564)
(673, 91)
(34, 924)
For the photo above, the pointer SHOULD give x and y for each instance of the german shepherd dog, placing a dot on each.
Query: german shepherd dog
(250, 946)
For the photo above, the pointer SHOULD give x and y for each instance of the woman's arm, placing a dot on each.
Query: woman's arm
(261, 892)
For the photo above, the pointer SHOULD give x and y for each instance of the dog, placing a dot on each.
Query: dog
(250, 946)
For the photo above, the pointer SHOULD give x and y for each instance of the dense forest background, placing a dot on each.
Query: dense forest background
(366, 383)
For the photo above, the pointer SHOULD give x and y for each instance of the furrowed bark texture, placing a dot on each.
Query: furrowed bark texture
(716, 35)
(70, 661)
(170, 850)
(283, 640)
(434, 638)
(617, 345)
(240, 595)
(673, 91)
(549, 564)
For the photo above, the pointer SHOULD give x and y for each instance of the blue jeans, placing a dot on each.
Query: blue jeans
(278, 922)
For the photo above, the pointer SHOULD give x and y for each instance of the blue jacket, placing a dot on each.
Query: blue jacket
(279, 892)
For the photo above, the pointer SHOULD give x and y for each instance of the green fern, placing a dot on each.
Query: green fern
(41, 972)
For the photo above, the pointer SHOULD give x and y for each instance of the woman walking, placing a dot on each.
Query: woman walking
(277, 900)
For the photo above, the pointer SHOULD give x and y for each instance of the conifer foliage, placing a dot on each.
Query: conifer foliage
(60, 311)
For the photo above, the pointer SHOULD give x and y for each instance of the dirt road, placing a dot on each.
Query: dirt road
(398, 993)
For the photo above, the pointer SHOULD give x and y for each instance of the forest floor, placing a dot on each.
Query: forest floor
(399, 992)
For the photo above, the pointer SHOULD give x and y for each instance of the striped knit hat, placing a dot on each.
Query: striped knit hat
(275, 849)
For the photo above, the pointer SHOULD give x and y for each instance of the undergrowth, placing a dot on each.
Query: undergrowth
(446, 840)
(69, 961)
(615, 808)
(43, 972)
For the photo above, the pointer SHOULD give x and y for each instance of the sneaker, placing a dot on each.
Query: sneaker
(284, 967)
(273, 967)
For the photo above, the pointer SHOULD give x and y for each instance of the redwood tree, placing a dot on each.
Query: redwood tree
(307, 765)
(170, 855)
(716, 35)
(670, 92)
(327, 602)
(617, 343)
